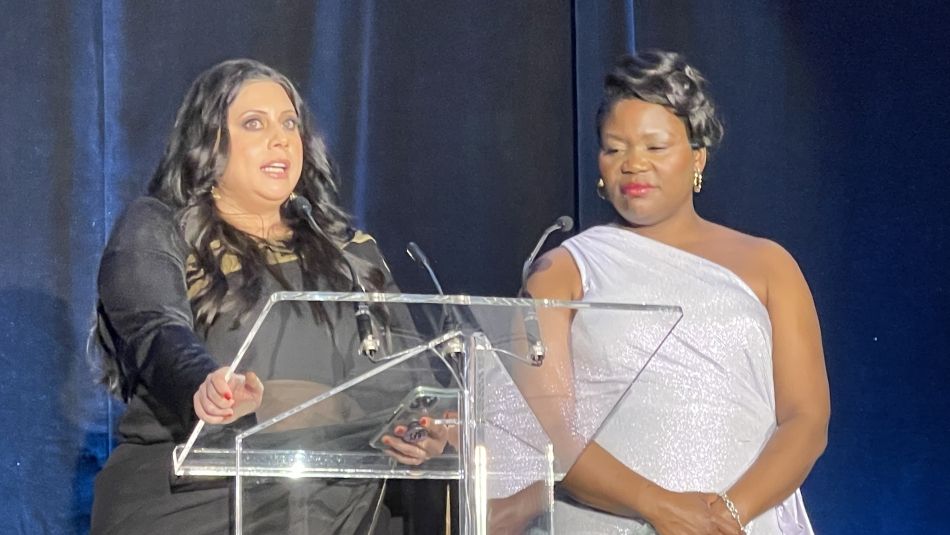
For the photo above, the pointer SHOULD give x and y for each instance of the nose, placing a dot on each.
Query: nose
(279, 137)
(635, 161)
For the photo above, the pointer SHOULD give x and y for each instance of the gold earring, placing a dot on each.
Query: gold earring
(214, 193)
(601, 187)
(697, 181)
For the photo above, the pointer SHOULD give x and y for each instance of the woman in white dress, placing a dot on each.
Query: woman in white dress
(727, 420)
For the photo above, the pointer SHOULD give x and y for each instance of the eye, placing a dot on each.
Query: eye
(253, 124)
(656, 148)
(608, 151)
(292, 123)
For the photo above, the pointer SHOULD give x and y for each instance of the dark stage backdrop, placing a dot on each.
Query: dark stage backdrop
(836, 141)
(468, 127)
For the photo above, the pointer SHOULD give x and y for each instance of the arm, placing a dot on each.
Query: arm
(802, 403)
(142, 291)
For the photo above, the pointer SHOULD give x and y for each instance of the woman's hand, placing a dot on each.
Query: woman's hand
(220, 401)
(416, 453)
(682, 513)
(452, 429)
(512, 515)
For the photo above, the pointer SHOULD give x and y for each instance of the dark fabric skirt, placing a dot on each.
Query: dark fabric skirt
(136, 492)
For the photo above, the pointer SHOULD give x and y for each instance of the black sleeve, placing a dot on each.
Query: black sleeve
(143, 297)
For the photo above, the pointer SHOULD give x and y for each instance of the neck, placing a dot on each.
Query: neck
(679, 228)
(262, 222)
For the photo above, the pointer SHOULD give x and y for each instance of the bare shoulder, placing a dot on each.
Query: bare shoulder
(555, 276)
(762, 263)
(762, 253)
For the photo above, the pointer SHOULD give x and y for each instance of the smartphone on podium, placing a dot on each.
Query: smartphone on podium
(439, 404)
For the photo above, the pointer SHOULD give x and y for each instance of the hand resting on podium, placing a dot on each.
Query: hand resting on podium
(223, 401)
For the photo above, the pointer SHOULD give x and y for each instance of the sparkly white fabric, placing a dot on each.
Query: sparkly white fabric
(704, 407)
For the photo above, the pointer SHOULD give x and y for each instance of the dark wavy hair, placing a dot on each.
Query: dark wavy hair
(195, 157)
(664, 78)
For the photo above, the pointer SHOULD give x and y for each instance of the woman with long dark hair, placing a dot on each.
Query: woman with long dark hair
(185, 269)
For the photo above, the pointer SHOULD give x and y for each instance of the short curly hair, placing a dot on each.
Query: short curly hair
(666, 79)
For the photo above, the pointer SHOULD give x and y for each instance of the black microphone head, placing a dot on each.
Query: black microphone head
(565, 222)
(300, 204)
(416, 254)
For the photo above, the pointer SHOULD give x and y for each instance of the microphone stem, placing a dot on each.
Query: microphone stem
(369, 345)
(435, 280)
(357, 284)
(534, 252)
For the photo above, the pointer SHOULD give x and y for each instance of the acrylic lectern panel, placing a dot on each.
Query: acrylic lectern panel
(520, 386)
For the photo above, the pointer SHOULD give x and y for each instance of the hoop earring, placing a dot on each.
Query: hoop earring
(697, 181)
(601, 187)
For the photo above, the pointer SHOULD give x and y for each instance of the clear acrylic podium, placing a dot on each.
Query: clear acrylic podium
(521, 386)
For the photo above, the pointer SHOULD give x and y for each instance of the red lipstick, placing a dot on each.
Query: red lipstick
(636, 189)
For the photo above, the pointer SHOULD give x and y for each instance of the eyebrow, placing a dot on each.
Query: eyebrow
(652, 134)
(263, 112)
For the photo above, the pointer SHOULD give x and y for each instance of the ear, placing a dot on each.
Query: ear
(699, 158)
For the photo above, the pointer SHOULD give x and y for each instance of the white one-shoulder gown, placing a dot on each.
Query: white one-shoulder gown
(704, 407)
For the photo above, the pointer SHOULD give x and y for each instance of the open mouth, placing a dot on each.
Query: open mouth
(275, 169)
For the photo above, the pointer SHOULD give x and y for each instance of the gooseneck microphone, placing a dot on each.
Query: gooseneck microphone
(420, 258)
(369, 343)
(454, 346)
(563, 224)
(532, 329)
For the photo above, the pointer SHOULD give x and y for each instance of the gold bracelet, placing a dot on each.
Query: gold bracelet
(733, 511)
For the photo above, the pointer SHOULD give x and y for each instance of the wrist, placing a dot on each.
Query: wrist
(646, 502)
(734, 512)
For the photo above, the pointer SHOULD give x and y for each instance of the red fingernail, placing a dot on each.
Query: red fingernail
(424, 420)
(227, 396)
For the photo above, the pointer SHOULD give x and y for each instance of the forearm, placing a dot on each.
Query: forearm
(144, 300)
(175, 363)
(601, 481)
(782, 466)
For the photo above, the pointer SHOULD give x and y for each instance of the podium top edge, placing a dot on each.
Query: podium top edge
(469, 300)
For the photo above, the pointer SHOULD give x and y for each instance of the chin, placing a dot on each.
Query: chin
(636, 220)
(276, 196)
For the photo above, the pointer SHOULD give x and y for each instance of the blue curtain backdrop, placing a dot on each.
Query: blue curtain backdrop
(836, 142)
(468, 127)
